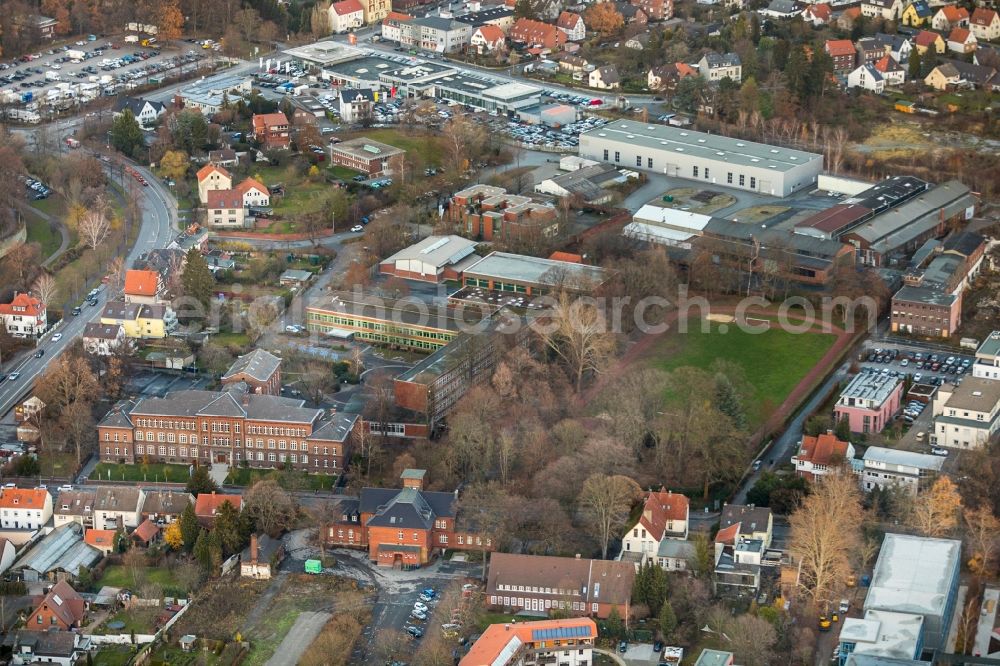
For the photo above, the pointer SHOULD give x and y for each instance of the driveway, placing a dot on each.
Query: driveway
(306, 628)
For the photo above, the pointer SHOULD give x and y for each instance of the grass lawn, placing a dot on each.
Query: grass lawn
(342, 172)
(57, 464)
(231, 339)
(774, 361)
(140, 621)
(39, 231)
(263, 648)
(486, 619)
(177, 657)
(117, 575)
(301, 194)
(54, 206)
(114, 656)
(244, 476)
(428, 146)
(140, 472)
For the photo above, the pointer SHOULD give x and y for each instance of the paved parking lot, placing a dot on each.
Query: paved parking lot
(86, 69)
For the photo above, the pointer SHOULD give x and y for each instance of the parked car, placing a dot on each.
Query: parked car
(936, 450)
(420, 606)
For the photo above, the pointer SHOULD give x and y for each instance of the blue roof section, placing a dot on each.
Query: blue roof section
(581, 631)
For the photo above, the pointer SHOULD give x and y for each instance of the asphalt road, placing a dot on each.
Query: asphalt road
(157, 229)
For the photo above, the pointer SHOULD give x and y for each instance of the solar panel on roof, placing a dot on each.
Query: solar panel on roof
(579, 631)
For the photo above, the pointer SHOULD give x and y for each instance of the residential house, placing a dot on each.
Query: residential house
(29, 409)
(961, 40)
(225, 157)
(967, 416)
(604, 78)
(392, 26)
(574, 64)
(8, 553)
(752, 522)
(37, 26)
(346, 16)
(144, 110)
(891, 70)
(986, 56)
(254, 193)
(142, 287)
(535, 33)
(842, 53)
(987, 364)
(260, 370)
(781, 9)
(897, 46)
(60, 553)
(572, 26)
(632, 14)
(666, 77)
(869, 49)
(869, 402)
(147, 534)
(403, 527)
(25, 316)
(261, 558)
(890, 10)
(714, 67)
(917, 14)
(75, 506)
(868, 78)
(737, 563)
(818, 14)
(224, 208)
(849, 17)
(213, 177)
(356, 104)
(578, 586)
(985, 24)
(165, 506)
(270, 130)
(116, 507)
(25, 508)
(949, 17)
(656, 10)
(207, 505)
(102, 339)
(375, 10)
(960, 74)
(295, 277)
(139, 321)
(944, 77)
(568, 642)
(913, 472)
(436, 33)
(102, 540)
(61, 648)
(638, 41)
(929, 41)
(821, 455)
(664, 517)
(488, 39)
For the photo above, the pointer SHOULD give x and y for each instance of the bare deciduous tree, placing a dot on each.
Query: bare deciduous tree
(981, 530)
(46, 289)
(577, 332)
(116, 274)
(606, 502)
(269, 506)
(826, 531)
(936, 511)
(94, 227)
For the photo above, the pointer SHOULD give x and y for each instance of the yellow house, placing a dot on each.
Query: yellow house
(917, 14)
(943, 76)
(926, 39)
(140, 320)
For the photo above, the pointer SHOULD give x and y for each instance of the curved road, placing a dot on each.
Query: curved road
(157, 229)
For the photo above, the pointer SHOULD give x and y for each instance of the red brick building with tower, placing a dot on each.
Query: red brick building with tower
(259, 370)
(402, 527)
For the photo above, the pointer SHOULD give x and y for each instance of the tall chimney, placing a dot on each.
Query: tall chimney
(253, 548)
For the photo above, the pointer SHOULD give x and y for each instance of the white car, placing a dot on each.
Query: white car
(57, 337)
(420, 606)
(938, 451)
(356, 228)
(65, 488)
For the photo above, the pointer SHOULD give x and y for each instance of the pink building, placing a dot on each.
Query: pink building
(869, 402)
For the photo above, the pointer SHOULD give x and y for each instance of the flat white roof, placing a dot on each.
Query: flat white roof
(436, 251)
(680, 219)
(512, 90)
(657, 234)
(913, 574)
(908, 458)
(895, 634)
(871, 386)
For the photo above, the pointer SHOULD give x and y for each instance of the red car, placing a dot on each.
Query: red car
(596, 102)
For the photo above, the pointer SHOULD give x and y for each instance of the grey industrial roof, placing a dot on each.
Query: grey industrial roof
(366, 148)
(485, 16)
(870, 386)
(714, 147)
(964, 243)
(975, 394)
(440, 23)
(336, 428)
(713, 658)
(899, 225)
(367, 68)
(190, 403)
(443, 359)
(522, 268)
(418, 71)
(927, 295)
(297, 275)
(486, 86)
(886, 456)
(990, 346)
(259, 364)
(436, 250)
(874, 660)
(323, 53)
(914, 574)
(62, 549)
(404, 311)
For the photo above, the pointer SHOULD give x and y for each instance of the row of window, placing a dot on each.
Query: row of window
(172, 452)
(539, 590)
(695, 171)
(537, 604)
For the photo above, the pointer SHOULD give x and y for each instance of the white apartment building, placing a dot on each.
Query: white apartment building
(114, 504)
(967, 416)
(987, 365)
(25, 508)
(884, 468)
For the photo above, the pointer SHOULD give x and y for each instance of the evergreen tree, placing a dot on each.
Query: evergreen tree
(797, 72)
(613, 627)
(189, 527)
(668, 620)
(228, 529)
(214, 552)
(200, 482)
(915, 65)
(650, 586)
(196, 280)
(126, 134)
(202, 550)
(728, 401)
(524, 9)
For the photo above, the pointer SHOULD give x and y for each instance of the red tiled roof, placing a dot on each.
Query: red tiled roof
(251, 183)
(568, 20)
(397, 16)
(887, 64)
(955, 14)
(822, 449)
(25, 304)
(345, 7)
(982, 16)
(566, 256)
(959, 36)
(207, 170)
(840, 47)
(208, 504)
(23, 498)
(70, 607)
(148, 529)
(491, 33)
(661, 507)
(821, 11)
(494, 641)
(851, 12)
(926, 38)
(534, 32)
(684, 69)
(728, 535)
(219, 199)
(142, 283)
(100, 539)
(263, 121)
